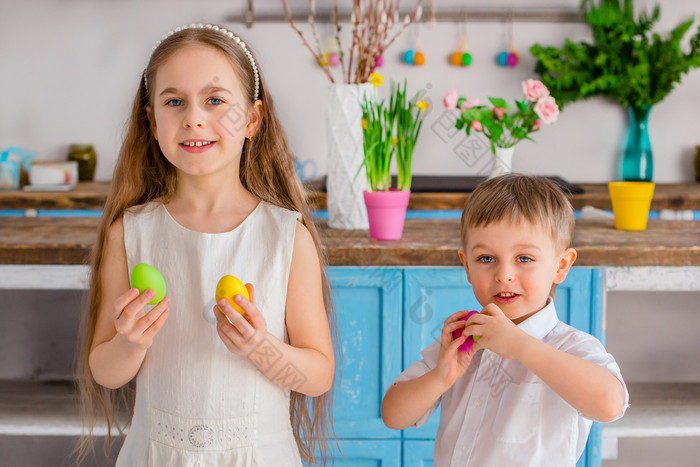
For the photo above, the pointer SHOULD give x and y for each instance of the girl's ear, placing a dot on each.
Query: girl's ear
(463, 259)
(255, 113)
(152, 121)
(566, 260)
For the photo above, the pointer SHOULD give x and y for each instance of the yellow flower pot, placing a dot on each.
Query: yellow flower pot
(631, 202)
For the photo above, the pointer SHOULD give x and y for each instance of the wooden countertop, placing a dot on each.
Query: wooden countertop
(42, 240)
(92, 195)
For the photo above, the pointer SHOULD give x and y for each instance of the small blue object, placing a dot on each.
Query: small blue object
(9, 175)
(408, 57)
(503, 59)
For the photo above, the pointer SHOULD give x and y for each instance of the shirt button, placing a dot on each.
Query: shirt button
(477, 403)
(463, 447)
(492, 357)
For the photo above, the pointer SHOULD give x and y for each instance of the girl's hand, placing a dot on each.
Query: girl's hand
(135, 326)
(452, 363)
(498, 333)
(240, 334)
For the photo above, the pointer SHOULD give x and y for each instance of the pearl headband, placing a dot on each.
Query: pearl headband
(226, 33)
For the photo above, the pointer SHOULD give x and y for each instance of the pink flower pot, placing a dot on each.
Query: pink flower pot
(386, 211)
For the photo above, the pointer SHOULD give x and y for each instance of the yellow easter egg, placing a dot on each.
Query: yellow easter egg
(228, 287)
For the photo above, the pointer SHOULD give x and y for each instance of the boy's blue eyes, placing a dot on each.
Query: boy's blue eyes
(490, 259)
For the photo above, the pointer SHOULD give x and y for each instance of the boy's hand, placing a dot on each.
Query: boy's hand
(498, 333)
(134, 326)
(241, 334)
(451, 362)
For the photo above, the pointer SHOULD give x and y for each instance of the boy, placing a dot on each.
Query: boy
(528, 390)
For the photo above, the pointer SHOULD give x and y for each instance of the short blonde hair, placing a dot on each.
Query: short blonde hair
(517, 198)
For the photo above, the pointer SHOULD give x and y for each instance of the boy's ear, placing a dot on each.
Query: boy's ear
(566, 260)
(463, 259)
(255, 113)
(152, 121)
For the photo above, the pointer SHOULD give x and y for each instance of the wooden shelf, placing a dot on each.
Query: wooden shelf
(31, 408)
(659, 409)
(51, 409)
(656, 410)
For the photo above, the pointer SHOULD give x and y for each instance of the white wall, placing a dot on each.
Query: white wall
(70, 70)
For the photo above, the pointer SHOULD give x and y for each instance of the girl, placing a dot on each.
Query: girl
(205, 186)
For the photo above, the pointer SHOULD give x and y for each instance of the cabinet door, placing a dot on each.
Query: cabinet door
(368, 308)
(580, 302)
(365, 453)
(432, 294)
(418, 453)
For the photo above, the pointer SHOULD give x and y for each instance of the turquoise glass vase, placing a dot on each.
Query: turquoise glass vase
(638, 161)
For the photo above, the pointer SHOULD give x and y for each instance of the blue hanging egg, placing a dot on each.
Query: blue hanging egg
(503, 59)
(408, 57)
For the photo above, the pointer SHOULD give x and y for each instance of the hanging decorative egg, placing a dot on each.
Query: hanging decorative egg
(333, 59)
(466, 59)
(419, 59)
(502, 59)
(408, 57)
(512, 59)
(456, 59)
(379, 61)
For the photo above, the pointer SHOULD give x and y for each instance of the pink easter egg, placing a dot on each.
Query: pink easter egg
(380, 61)
(334, 59)
(467, 345)
(512, 59)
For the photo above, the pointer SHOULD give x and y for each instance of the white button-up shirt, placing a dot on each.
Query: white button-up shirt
(500, 414)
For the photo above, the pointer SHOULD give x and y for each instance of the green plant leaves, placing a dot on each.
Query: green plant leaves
(626, 61)
(390, 130)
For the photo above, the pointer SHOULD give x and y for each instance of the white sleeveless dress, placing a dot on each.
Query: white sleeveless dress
(198, 404)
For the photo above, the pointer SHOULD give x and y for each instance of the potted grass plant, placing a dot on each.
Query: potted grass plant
(389, 129)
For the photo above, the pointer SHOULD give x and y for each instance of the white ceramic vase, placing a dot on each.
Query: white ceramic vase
(502, 162)
(344, 185)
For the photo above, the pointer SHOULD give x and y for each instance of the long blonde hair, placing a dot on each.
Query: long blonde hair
(142, 174)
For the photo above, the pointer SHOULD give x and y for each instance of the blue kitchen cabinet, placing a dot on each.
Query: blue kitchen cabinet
(418, 453)
(385, 317)
(365, 453)
(368, 309)
(433, 294)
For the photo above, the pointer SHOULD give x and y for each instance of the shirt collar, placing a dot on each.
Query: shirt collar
(542, 322)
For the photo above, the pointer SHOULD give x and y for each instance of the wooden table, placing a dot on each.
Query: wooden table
(68, 241)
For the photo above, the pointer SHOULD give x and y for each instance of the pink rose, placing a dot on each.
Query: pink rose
(534, 90)
(537, 125)
(476, 125)
(546, 108)
(450, 99)
(469, 102)
(499, 112)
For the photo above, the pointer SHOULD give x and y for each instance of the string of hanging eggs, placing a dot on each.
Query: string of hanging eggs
(414, 55)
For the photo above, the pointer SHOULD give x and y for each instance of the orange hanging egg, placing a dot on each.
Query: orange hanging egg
(419, 59)
(456, 59)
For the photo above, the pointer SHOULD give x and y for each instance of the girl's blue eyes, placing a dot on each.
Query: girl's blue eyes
(486, 259)
(524, 259)
(178, 102)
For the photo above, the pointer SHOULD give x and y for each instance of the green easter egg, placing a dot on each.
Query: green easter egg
(144, 276)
